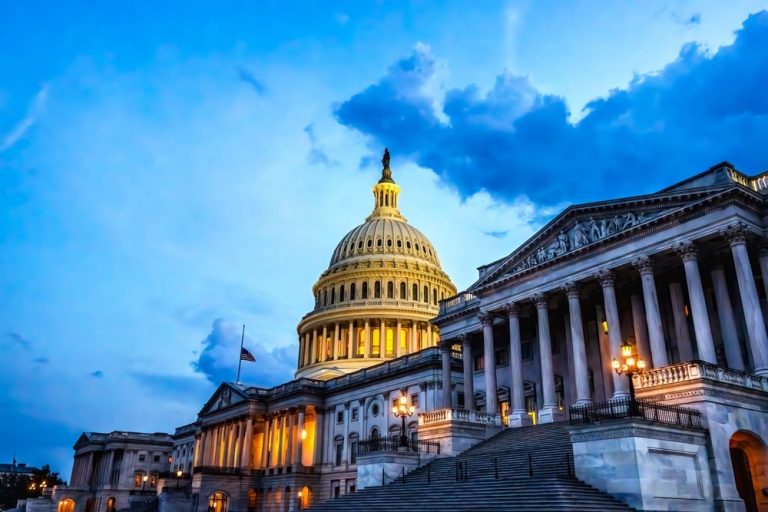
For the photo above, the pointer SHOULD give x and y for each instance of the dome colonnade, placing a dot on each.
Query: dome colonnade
(378, 295)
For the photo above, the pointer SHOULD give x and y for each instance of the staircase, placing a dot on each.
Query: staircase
(527, 468)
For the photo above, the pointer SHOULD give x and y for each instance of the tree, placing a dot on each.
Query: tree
(18, 486)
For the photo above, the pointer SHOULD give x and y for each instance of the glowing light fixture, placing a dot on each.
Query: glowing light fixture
(605, 327)
(303, 435)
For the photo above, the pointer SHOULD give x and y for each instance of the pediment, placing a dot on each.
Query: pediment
(225, 396)
(581, 228)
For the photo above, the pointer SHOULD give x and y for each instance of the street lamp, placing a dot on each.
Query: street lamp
(144, 481)
(301, 502)
(402, 410)
(178, 477)
(633, 365)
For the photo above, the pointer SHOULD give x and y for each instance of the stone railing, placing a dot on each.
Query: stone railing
(457, 302)
(695, 370)
(459, 415)
(418, 306)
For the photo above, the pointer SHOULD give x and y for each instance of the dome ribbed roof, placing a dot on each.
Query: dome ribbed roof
(385, 237)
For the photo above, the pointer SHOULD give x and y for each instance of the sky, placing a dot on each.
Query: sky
(171, 171)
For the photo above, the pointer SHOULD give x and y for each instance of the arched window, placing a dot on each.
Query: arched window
(415, 292)
(217, 502)
(377, 290)
(389, 242)
(375, 434)
(407, 245)
(402, 290)
(66, 505)
(111, 504)
(434, 296)
(365, 289)
(390, 290)
(426, 294)
(352, 291)
(341, 293)
(378, 242)
(325, 297)
(333, 295)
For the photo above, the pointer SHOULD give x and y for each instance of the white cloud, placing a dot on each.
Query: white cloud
(36, 108)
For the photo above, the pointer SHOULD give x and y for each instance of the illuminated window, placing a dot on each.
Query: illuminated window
(415, 399)
(352, 291)
(377, 290)
(403, 339)
(217, 502)
(402, 290)
(111, 505)
(376, 345)
(153, 480)
(390, 346)
(137, 479)
(365, 289)
(360, 341)
(415, 292)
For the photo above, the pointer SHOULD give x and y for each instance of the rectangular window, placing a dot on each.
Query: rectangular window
(360, 341)
(353, 455)
(479, 363)
(340, 417)
(157, 458)
(415, 399)
(403, 339)
(460, 400)
(339, 452)
(354, 414)
(142, 457)
(376, 345)
(390, 344)
(526, 349)
(137, 479)
(501, 357)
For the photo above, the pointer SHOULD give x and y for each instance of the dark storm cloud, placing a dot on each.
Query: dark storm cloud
(699, 110)
(219, 357)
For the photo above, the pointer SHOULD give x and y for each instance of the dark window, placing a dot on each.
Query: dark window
(339, 452)
(555, 345)
(370, 243)
(389, 243)
(157, 458)
(591, 377)
(377, 290)
(434, 296)
(407, 245)
(560, 391)
(354, 414)
(402, 291)
(399, 244)
(526, 350)
(340, 417)
(479, 363)
(341, 293)
(365, 290)
(142, 457)
(325, 297)
(415, 294)
(501, 357)
(426, 294)
(353, 455)
(352, 291)
(378, 242)
(390, 290)
(460, 400)
(333, 295)
(415, 399)
(375, 409)
(375, 434)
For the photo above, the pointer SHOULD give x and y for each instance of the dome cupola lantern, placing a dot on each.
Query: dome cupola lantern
(385, 194)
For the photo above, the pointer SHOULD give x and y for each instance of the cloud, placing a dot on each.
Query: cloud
(515, 140)
(19, 340)
(496, 234)
(98, 374)
(34, 111)
(41, 360)
(221, 351)
(249, 78)
(316, 154)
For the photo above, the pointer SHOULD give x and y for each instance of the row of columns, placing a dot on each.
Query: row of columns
(313, 345)
(225, 445)
(647, 319)
(323, 298)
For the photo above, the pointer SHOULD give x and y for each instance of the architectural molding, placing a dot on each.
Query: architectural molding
(636, 431)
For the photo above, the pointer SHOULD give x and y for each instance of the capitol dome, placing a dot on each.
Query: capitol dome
(377, 297)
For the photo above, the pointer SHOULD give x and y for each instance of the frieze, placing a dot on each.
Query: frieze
(580, 234)
(648, 433)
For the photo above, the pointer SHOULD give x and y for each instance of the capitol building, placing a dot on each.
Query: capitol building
(616, 360)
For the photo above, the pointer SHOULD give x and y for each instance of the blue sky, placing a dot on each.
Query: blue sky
(170, 172)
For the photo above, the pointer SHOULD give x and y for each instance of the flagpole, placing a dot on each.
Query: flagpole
(240, 355)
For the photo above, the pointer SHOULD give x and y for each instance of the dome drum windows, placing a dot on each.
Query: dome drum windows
(403, 288)
(341, 293)
(365, 290)
(415, 293)
(352, 291)
(377, 290)
(425, 297)
(390, 290)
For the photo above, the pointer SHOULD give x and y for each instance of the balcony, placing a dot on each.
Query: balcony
(698, 370)
(460, 416)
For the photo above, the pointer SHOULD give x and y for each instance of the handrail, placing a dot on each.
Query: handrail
(628, 408)
(396, 444)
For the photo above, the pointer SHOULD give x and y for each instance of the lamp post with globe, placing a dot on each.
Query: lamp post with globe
(402, 410)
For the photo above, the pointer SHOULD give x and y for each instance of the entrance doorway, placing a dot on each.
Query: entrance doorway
(749, 459)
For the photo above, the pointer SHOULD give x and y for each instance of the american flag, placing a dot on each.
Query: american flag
(245, 355)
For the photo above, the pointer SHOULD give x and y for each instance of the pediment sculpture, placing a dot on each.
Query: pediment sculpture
(580, 234)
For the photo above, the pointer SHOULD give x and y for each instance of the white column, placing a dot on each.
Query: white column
(658, 348)
(351, 340)
(345, 451)
(246, 458)
(290, 436)
(368, 340)
(297, 454)
(314, 353)
(605, 277)
(727, 319)
(336, 343)
(549, 412)
(762, 257)
(398, 350)
(684, 345)
(580, 370)
(639, 327)
(445, 357)
(704, 343)
(414, 347)
(489, 359)
(323, 344)
(468, 362)
(317, 460)
(750, 302)
(518, 416)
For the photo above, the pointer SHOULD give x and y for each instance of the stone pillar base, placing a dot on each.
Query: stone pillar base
(382, 468)
(550, 414)
(457, 430)
(520, 419)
